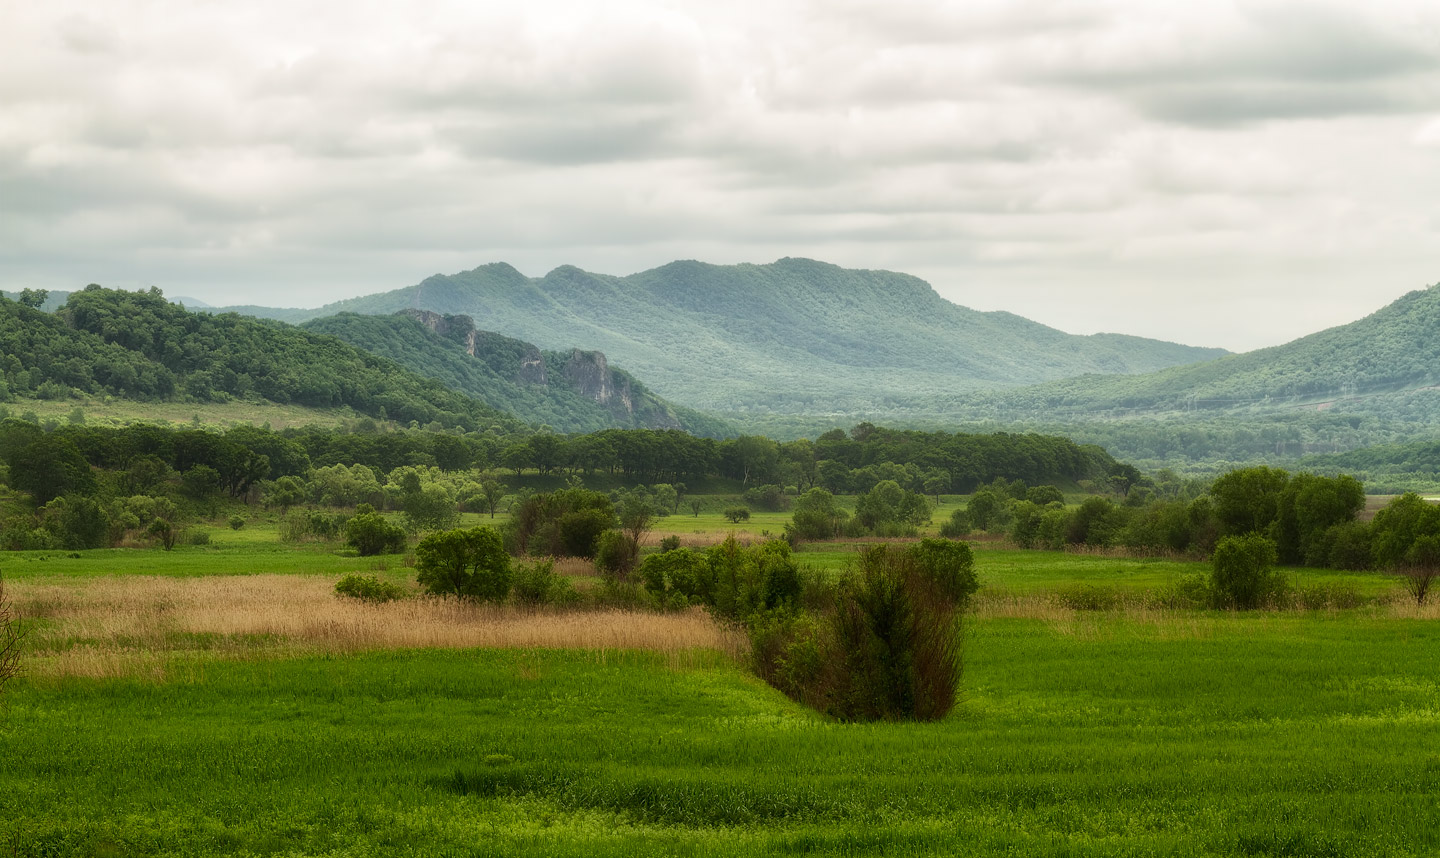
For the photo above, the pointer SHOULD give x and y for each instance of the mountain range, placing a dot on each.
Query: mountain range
(795, 336)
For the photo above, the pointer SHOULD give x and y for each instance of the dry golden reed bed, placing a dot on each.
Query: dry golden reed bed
(140, 624)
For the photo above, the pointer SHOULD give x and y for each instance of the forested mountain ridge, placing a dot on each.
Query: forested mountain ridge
(137, 345)
(795, 336)
(1387, 362)
(574, 391)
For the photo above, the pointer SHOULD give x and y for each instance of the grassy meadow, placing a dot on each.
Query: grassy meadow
(220, 700)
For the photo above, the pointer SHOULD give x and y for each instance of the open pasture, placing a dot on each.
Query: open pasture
(1212, 734)
(220, 700)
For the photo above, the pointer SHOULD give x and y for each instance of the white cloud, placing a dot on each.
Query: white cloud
(1154, 168)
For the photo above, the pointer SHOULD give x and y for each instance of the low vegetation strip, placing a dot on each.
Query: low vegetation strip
(139, 625)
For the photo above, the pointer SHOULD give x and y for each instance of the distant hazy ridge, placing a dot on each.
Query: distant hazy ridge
(795, 336)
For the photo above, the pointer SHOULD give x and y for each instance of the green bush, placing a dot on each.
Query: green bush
(613, 555)
(988, 510)
(737, 514)
(300, 525)
(578, 530)
(236, 522)
(565, 523)
(896, 628)
(369, 588)
(889, 510)
(739, 582)
(815, 517)
(958, 525)
(769, 497)
(78, 522)
(1044, 495)
(371, 534)
(1242, 572)
(674, 577)
(537, 584)
(470, 564)
(950, 565)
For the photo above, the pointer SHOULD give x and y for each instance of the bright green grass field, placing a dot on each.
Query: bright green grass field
(1274, 734)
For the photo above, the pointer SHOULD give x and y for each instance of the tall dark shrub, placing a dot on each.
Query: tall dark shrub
(887, 646)
(1242, 571)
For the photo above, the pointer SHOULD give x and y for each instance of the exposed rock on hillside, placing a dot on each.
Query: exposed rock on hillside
(575, 390)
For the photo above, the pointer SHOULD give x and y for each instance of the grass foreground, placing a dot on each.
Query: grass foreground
(1300, 733)
(220, 700)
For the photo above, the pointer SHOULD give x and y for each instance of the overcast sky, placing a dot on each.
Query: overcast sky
(1218, 173)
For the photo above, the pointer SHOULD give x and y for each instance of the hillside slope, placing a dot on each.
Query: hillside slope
(1387, 362)
(795, 336)
(137, 345)
(576, 391)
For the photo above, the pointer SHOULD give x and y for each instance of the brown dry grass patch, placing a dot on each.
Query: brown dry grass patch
(145, 625)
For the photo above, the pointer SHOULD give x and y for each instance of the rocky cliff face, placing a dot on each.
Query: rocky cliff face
(532, 368)
(591, 377)
(520, 361)
(460, 329)
(586, 372)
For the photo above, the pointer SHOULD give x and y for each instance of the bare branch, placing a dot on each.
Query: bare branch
(11, 636)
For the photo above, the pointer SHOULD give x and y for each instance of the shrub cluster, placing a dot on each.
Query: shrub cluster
(473, 564)
(369, 588)
(887, 644)
(537, 584)
(883, 643)
(886, 510)
(371, 534)
(304, 525)
(1308, 519)
(565, 523)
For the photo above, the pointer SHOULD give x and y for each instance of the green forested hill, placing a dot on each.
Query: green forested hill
(137, 345)
(1386, 363)
(795, 336)
(562, 390)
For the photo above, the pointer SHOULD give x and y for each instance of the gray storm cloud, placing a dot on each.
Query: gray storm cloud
(1231, 174)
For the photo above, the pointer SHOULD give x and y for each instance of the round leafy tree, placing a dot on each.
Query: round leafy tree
(470, 563)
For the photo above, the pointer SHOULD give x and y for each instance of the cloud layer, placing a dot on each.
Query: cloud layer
(1231, 174)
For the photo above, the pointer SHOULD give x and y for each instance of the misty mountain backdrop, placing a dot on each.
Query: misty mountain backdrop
(792, 337)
